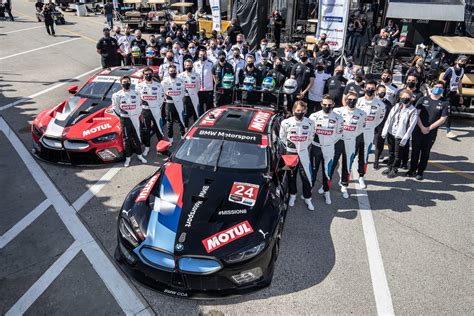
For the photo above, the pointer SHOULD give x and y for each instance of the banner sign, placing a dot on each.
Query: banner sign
(332, 20)
(216, 14)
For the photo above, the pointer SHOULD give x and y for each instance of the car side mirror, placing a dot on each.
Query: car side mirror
(72, 89)
(290, 161)
(163, 147)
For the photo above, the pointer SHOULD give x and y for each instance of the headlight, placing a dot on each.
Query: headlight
(127, 232)
(246, 254)
(105, 138)
(38, 132)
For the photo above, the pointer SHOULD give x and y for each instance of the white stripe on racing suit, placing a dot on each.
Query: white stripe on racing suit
(127, 104)
(154, 97)
(174, 92)
(191, 85)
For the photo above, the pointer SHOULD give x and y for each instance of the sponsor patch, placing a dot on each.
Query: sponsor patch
(211, 117)
(145, 192)
(298, 139)
(259, 121)
(244, 193)
(96, 129)
(324, 132)
(227, 236)
(349, 128)
(196, 206)
(232, 212)
(228, 135)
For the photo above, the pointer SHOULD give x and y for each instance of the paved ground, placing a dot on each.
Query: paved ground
(401, 246)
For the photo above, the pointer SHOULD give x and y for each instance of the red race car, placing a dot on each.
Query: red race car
(83, 129)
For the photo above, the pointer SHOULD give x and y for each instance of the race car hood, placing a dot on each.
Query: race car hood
(192, 211)
(75, 118)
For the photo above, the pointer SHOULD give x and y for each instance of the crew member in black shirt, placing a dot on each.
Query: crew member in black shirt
(336, 85)
(142, 44)
(324, 57)
(220, 69)
(358, 85)
(233, 30)
(108, 49)
(277, 74)
(250, 70)
(303, 73)
(288, 61)
(264, 66)
(277, 26)
(433, 112)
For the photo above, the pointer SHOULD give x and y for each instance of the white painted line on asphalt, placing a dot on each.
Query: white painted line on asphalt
(123, 293)
(23, 223)
(38, 288)
(383, 299)
(39, 48)
(27, 29)
(34, 95)
(93, 190)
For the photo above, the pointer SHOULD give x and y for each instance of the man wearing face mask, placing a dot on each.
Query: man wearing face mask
(163, 71)
(391, 88)
(433, 113)
(241, 45)
(251, 71)
(328, 131)
(152, 97)
(315, 94)
(125, 43)
(303, 73)
(191, 53)
(237, 62)
(177, 56)
(202, 37)
(297, 133)
(378, 139)
(263, 49)
(335, 85)
(126, 105)
(212, 51)
(289, 61)
(141, 43)
(278, 73)
(354, 123)
(191, 99)
(174, 108)
(453, 78)
(220, 69)
(358, 85)
(325, 58)
(264, 66)
(375, 110)
(151, 51)
(108, 49)
(203, 68)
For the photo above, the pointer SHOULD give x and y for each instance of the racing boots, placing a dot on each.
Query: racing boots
(344, 192)
(321, 190)
(292, 200)
(327, 197)
(142, 159)
(362, 183)
(309, 204)
(127, 162)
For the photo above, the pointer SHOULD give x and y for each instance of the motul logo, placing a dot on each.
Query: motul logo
(224, 237)
(145, 192)
(211, 117)
(259, 121)
(96, 129)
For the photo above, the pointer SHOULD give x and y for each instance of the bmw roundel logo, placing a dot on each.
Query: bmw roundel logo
(179, 247)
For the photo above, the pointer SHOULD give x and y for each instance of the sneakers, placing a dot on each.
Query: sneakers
(146, 151)
(143, 160)
(327, 197)
(392, 174)
(309, 204)
(451, 135)
(419, 177)
(362, 183)
(321, 190)
(292, 200)
(376, 165)
(127, 162)
(410, 174)
(344, 192)
(386, 171)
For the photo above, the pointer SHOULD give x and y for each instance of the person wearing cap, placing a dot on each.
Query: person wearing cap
(357, 85)
(453, 86)
(220, 69)
(264, 66)
(108, 49)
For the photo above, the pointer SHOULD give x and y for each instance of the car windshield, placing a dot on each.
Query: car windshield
(234, 155)
(97, 89)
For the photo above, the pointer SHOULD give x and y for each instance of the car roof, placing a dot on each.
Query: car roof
(238, 118)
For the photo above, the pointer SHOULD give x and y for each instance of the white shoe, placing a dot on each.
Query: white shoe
(344, 192)
(171, 141)
(127, 162)
(362, 183)
(309, 204)
(143, 160)
(292, 200)
(327, 197)
(321, 190)
(146, 151)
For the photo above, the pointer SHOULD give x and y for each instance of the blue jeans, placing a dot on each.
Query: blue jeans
(110, 20)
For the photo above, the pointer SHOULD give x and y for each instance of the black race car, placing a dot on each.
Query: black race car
(208, 223)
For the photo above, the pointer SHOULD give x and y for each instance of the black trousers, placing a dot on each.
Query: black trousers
(277, 36)
(304, 179)
(453, 98)
(360, 152)
(110, 61)
(316, 161)
(189, 112)
(313, 106)
(206, 100)
(223, 98)
(395, 152)
(172, 117)
(420, 152)
(49, 26)
(130, 138)
(339, 151)
(127, 60)
(149, 125)
(379, 143)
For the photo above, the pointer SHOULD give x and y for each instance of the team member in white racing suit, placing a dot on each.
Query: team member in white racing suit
(328, 131)
(354, 123)
(374, 108)
(296, 133)
(126, 105)
(174, 108)
(191, 99)
(152, 97)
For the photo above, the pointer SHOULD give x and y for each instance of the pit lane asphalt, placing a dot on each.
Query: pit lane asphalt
(424, 229)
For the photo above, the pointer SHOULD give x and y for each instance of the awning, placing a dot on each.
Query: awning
(426, 11)
(455, 44)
